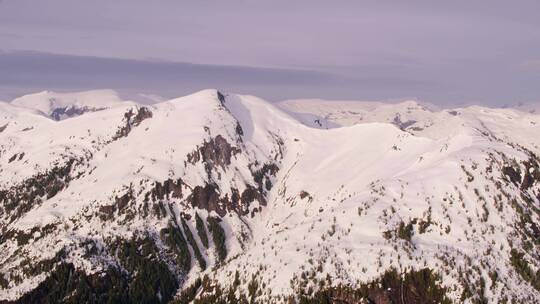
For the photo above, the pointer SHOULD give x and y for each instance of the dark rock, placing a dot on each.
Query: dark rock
(71, 111)
(166, 190)
(513, 174)
(215, 153)
(303, 194)
(262, 176)
(12, 158)
(531, 175)
(132, 120)
(238, 129)
(207, 198)
(107, 212)
(251, 194)
(123, 201)
(221, 98)
(402, 125)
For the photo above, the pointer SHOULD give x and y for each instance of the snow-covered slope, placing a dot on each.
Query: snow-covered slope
(419, 119)
(532, 107)
(65, 105)
(221, 197)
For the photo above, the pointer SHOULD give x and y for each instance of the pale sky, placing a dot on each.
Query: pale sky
(485, 51)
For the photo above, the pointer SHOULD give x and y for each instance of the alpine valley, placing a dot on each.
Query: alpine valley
(223, 198)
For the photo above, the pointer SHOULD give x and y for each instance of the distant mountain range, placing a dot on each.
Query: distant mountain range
(223, 198)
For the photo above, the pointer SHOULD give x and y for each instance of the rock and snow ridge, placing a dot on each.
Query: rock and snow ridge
(60, 106)
(222, 197)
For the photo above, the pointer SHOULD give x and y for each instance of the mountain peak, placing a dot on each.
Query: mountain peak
(201, 189)
(59, 106)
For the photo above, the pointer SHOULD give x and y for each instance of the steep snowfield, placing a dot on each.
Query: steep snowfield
(266, 202)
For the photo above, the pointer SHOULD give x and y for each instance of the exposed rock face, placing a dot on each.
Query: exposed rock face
(513, 174)
(216, 152)
(207, 197)
(263, 176)
(403, 125)
(166, 190)
(132, 120)
(71, 111)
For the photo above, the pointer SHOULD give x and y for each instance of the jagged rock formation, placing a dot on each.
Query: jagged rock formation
(225, 198)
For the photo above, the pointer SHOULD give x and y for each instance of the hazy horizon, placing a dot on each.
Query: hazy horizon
(486, 52)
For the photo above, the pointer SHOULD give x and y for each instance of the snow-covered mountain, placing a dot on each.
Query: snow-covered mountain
(59, 106)
(222, 198)
(533, 107)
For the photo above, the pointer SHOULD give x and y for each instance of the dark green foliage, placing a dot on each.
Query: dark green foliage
(193, 244)
(68, 285)
(522, 267)
(423, 225)
(23, 238)
(467, 292)
(34, 269)
(420, 286)
(405, 231)
(214, 294)
(218, 235)
(173, 238)
(416, 287)
(236, 281)
(188, 295)
(201, 230)
(146, 277)
(21, 198)
(152, 276)
(238, 129)
(262, 175)
(159, 210)
(527, 225)
(149, 274)
(387, 234)
(3, 282)
(253, 286)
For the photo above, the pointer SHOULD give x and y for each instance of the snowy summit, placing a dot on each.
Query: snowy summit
(224, 198)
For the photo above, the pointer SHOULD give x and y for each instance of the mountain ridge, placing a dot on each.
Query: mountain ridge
(215, 186)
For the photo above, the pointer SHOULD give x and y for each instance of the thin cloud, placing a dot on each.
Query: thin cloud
(40, 71)
(530, 65)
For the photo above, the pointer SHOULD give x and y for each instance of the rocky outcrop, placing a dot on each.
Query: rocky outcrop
(165, 190)
(207, 197)
(216, 152)
(131, 120)
(71, 111)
